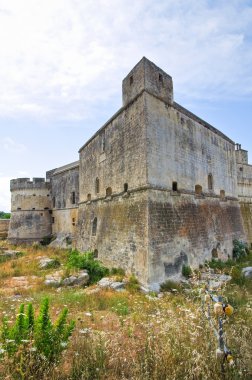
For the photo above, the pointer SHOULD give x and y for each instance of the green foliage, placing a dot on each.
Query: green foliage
(133, 284)
(86, 261)
(240, 249)
(186, 271)
(218, 264)
(4, 215)
(38, 335)
(117, 271)
(237, 276)
(46, 240)
(169, 286)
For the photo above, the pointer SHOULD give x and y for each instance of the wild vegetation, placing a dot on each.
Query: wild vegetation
(4, 215)
(117, 335)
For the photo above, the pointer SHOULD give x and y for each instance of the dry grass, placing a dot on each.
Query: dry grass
(128, 335)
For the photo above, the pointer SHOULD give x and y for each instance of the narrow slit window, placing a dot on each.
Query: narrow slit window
(73, 198)
(160, 78)
(94, 227)
(131, 80)
(210, 182)
(125, 187)
(54, 202)
(97, 186)
(174, 186)
(89, 197)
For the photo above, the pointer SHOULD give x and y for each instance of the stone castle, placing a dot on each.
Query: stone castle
(155, 188)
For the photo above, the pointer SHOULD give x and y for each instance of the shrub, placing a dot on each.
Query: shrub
(47, 339)
(240, 249)
(169, 286)
(186, 271)
(133, 284)
(237, 276)
(86, 261)
(117, 271)
(31, 347)
(46, 240)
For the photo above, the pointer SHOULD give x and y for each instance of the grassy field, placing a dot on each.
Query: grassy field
(127, 335)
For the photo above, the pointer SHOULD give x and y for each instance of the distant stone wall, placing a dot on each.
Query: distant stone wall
(4, 227)
(30, 210)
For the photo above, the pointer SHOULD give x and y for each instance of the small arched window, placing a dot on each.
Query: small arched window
(97, 185)
(198, 189)
(94, 227)
(210, 182)
(89, 197)
(108, 192)
(125, 187)
(222, 194)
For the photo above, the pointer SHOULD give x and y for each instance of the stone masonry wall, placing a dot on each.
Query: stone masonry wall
(30, 210)
(65, 198)
(116, 155)
(121, 234)
(4, 227)
(184, 151)
(184, 229)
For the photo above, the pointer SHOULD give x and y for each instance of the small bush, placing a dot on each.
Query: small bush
(117, 271)
(34, 342)
(86, 261)
(237, 276)
(133, 284)
(169, 286)
(186, 271)
(240, 249)
(46, 240)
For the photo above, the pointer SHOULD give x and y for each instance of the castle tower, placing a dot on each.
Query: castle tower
(149, 77)
(30, 210)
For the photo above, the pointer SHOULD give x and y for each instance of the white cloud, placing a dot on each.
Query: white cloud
(5, 195)
(60, 58)
(9, 145)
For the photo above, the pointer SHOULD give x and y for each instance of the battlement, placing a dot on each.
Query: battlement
(26, 183)
(241, 154)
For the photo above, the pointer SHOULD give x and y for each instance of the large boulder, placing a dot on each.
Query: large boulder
(81, 279)
(247, 271)
(48, 263)
(62, 241)
(109, 283)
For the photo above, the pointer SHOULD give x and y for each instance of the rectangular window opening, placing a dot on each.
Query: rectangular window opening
(174, 186)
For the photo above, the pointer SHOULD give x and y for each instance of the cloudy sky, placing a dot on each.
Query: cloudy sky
(62, 63)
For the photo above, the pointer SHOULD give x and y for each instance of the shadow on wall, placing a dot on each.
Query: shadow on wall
(176, 267)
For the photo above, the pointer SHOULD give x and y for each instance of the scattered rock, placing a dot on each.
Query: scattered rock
(81, 278)
(215, 280)
(247, 271)
(47, 263)
(110, 283)
(54, 279)
(62, 241)
(10, 254)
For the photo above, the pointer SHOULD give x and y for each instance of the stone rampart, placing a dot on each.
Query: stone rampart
(4, 227)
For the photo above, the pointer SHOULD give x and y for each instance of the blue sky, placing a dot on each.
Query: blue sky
(62, 63)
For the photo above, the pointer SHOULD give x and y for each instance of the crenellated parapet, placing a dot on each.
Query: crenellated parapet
(27, 184)
(31, 204)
